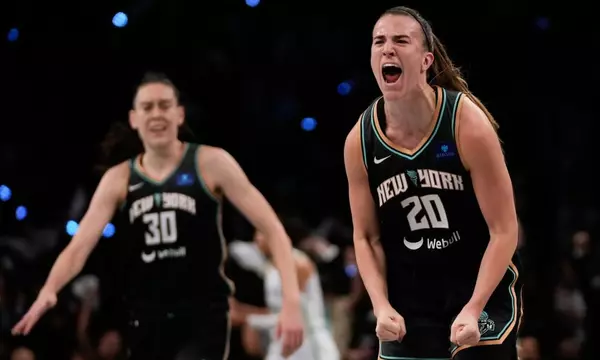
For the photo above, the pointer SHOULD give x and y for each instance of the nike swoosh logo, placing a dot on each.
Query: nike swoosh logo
(148, 258)
(135, 187)
(379, 161)
(413, 245)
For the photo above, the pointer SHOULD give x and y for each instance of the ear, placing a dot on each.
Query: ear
(132, 121)
(180, 115)
(427, 61)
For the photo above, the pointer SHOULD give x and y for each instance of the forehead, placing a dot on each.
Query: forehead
(390, 25)
(155, 91)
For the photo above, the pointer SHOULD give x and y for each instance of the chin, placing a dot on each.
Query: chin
(393, 91)
(160, 142)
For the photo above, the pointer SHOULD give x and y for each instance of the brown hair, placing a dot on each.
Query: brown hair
(122, 142)
(443, 72)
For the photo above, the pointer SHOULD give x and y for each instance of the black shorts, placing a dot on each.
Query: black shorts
(179, 336)
(498, 325)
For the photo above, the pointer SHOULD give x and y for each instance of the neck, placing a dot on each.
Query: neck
(159, 158)
(413, 112)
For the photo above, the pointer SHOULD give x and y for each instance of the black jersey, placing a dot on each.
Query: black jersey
(431, 228)
(173, 239)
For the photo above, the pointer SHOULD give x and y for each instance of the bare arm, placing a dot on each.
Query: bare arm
(305, 269)
(251, 341)
(369, 254)
(481, 152)
(227, 176)
(102, 207)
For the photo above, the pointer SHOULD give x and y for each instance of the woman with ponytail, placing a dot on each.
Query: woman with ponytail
(435, 226)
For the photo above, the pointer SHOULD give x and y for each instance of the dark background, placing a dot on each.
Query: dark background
(249, 75)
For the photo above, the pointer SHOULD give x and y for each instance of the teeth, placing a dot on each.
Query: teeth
(390, 65)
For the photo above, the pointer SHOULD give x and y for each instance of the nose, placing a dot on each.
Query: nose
(388, 49)
(155, 112)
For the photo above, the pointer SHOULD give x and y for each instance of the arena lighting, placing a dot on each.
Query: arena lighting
(543, 23)
(21, 213)
(120, 20)
(252, 3)
(5, 193)
(308, 124)
(344, 88)
(72, 227)
(109, 230)
(13, 35)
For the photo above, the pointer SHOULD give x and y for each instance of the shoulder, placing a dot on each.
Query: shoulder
(474, 119)
(119, 172)
(219, 167)
(212, 155)
(475, 132)
(114, 181)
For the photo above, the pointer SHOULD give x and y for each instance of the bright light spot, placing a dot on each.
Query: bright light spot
(13, 35)
(120, 19)
(21, 213)
(72, 227)
(109, 230)
(308, 124)
(344, 88)
(5, 193)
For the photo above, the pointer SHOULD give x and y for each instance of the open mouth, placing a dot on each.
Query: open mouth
(391, 73)
(157, 127)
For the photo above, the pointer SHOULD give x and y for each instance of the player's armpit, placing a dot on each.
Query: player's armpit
(482, 154)
(369, 257)
(110, 192)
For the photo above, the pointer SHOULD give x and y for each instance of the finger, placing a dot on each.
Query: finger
(31, 321)
(401, 333)
(299, 338)
(287, 348)
(387, 335)
(292, 341)
(453, 336)
(20, 327)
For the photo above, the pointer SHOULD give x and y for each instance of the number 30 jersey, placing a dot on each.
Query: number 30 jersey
(431, 228)
(173, 239)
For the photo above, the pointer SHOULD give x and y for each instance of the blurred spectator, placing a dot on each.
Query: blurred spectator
(22, 353)
(571, 311)
(528, 348)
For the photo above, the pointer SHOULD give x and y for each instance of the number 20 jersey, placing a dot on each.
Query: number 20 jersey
(173, 239)
(431, 228)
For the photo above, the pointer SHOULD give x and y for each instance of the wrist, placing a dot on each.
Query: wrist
(474, 306)
(47, 289)
(379, 306)
(292, 301)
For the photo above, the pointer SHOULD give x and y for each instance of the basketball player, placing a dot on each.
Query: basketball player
(435, 226)
(171, 195)
(318, 342)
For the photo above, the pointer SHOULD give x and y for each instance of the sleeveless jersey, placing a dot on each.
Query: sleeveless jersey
(174, 244)
(431, 228)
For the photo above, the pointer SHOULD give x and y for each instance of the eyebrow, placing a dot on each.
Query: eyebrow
(395, 37)
(160, 101)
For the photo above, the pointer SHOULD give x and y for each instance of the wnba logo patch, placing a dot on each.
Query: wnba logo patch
(185, 179)
(485, 323)
(446, 150)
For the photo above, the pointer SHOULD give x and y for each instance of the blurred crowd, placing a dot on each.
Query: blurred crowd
(87, 322)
